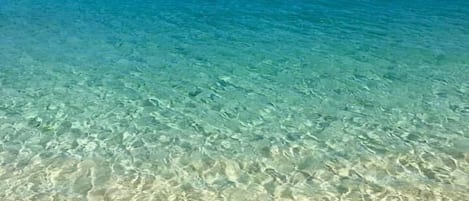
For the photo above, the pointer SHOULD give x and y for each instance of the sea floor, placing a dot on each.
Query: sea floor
(240, 100)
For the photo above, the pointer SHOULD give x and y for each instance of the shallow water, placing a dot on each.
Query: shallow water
(234, 100)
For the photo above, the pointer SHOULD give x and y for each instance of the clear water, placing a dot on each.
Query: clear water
(234, 100)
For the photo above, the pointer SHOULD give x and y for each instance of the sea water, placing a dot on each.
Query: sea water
(234, 100)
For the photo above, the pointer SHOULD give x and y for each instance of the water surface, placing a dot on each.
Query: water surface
(234, 100)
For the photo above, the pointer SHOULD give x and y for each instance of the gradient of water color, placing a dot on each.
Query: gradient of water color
(234, 100)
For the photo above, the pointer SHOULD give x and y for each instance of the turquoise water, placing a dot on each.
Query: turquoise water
(234, 100)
